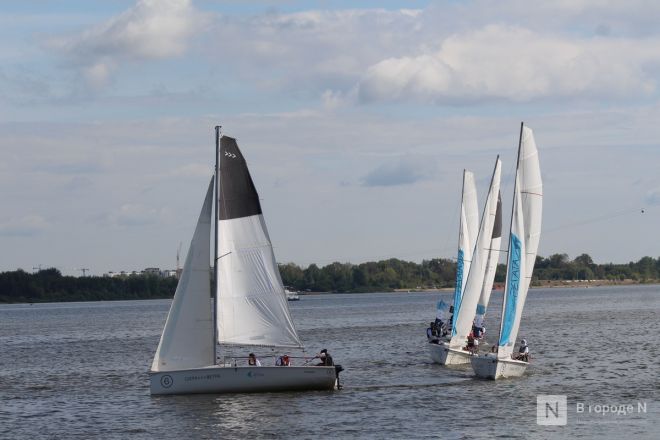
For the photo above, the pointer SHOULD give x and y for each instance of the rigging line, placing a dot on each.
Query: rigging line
(609, 216)
(457, 208)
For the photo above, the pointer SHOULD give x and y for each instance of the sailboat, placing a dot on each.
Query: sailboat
(452, 352)
(467, 236)
(244, 306)
(291, 294)
(525, 232)
(491, 268)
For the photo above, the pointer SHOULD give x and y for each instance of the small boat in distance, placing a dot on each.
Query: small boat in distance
(525, 232)
(245, 306)
(291, 295)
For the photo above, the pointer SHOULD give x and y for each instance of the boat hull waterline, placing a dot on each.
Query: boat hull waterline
(216, 379)
(490, 367)
(443, 355)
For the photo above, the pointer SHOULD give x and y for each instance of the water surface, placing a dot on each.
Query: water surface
(79, 370)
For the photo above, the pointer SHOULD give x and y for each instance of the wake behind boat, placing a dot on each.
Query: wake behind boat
(525, 232)
(245, 306)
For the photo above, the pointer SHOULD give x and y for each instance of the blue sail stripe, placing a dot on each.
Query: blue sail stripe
(511, 303)
(458, 290)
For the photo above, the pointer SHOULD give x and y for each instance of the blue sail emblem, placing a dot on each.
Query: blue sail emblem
(458, 290)
(515, 256)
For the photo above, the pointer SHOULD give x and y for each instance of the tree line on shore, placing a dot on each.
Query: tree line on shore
(49, 285)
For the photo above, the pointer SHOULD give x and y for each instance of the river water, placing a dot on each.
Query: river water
(79, 370)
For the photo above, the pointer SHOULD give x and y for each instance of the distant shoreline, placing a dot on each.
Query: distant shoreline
(544, 284)
(550, 284)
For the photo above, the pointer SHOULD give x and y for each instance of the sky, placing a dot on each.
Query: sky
(356, 119)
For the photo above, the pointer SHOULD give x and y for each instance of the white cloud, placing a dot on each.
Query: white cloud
(517, 64)
(311, 50)
(653, 197)
(137, 214)
(193, 170)
(404, 170)
(25, 226)
(151, 29)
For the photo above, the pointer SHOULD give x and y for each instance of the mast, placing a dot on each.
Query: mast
(215, 251)
(513, 204)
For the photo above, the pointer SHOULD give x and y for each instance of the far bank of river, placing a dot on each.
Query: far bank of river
(498, 286)
(544, 284)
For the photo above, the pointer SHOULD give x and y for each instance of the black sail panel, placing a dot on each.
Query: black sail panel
(497, 226)
(238, 196)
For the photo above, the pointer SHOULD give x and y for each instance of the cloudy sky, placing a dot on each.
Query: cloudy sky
(357, 119)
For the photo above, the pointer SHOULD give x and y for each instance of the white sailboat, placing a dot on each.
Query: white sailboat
(491, 268)
(291, 295)
(451, 352)
(467, 237)
(524, 238)
(245, 306)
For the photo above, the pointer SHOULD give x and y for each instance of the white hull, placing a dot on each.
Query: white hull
(490, 367)
(218, 379)
(443, 355)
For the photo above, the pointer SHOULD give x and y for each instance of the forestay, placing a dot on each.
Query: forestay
(187, 340)
(524, 240)
(251, 304)
(463, 321)
(467, 236)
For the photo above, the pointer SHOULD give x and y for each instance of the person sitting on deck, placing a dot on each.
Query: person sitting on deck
(478, 331)
(441, 328)
(326, 359)
(523, 352)
(432, 334)
(253, 361)
(470, 343)
(283, 361)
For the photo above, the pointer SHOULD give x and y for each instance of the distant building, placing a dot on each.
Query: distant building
(149, 271)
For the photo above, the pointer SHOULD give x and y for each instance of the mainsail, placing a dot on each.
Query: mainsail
(523, 241)
(491, 265)
(467, 236)
(251, 304)
(187, 340)
(463, 321)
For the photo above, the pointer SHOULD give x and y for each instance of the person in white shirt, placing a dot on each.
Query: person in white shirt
(523, 351)
(253, 361)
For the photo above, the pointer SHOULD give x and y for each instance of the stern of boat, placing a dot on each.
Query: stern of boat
(443, 355)
(490, 367)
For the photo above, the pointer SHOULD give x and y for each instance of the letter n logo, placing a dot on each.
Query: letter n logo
(551, 410)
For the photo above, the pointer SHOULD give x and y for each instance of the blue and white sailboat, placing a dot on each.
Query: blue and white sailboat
(524, 238)
(465, 300)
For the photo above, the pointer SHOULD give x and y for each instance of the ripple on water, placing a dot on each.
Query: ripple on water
(80, 371)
